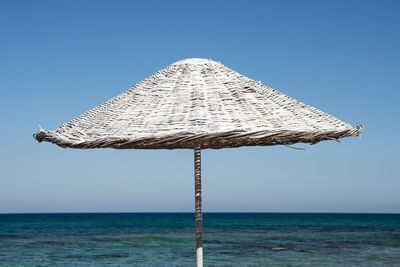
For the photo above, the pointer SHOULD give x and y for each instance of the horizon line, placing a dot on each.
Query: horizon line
(192, 212)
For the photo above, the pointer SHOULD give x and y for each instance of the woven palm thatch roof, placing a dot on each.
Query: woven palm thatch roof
(198, 103)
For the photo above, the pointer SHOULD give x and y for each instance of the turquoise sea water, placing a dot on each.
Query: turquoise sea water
(230, 239)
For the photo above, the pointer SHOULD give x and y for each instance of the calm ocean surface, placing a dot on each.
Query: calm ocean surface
(230, 239)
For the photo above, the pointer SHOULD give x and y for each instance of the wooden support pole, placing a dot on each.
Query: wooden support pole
(198, 212)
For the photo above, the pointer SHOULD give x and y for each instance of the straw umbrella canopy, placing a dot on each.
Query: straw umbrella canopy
(198, 104)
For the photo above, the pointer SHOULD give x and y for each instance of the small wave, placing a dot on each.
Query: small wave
(279, 249)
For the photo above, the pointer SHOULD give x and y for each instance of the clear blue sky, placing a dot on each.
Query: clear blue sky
(60, 58)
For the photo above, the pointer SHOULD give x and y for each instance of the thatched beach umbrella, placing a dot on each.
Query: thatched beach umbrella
(198, 104)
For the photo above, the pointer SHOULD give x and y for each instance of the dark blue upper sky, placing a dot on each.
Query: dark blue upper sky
(60, 58)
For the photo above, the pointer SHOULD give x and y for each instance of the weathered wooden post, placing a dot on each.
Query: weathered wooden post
(198, 212)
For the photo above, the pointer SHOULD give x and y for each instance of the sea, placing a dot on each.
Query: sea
(230, 239)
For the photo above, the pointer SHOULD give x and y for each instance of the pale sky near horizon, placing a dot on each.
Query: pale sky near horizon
(61, 58)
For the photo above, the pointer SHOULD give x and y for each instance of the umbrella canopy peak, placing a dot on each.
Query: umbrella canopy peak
(195, 61)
